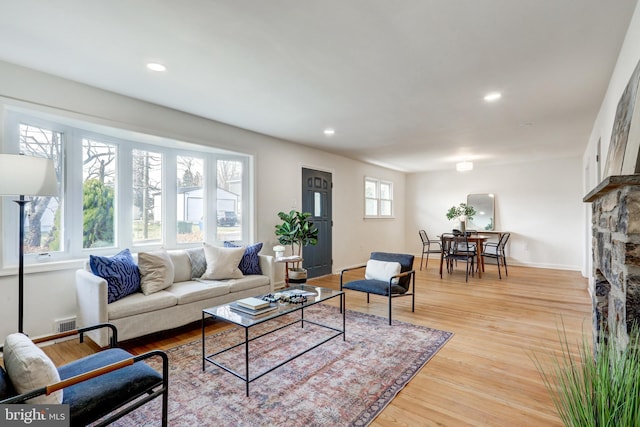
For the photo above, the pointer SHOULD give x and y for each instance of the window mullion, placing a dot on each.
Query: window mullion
(74, 194)
(124, 198)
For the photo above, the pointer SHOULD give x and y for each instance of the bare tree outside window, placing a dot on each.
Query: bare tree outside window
(147, 196)
(43, 215)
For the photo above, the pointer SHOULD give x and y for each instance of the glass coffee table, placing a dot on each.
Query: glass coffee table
(247, 321)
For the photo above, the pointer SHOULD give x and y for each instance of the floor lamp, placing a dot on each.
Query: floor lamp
(25, 176)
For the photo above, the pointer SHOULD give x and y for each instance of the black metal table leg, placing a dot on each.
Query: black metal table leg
(203, 352)
(246, 356)
(343, 301)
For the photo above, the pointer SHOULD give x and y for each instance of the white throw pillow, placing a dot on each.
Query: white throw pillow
(29, 368)
(222, 263)
(382, 270)
(156, 271)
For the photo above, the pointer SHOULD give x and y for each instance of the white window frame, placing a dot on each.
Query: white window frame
(378, 197)
(74, 131)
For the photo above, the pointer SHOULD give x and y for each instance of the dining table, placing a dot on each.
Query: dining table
(479, 240)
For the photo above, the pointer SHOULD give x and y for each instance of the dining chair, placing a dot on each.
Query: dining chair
(427, 247)
(497, 251)
(457, 248)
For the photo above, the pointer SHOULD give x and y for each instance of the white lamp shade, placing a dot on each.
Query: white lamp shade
(27, 176)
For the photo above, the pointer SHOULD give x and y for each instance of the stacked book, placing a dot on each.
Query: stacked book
(253, 306)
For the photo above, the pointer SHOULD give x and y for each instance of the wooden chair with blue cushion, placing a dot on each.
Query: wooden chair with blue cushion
(103, 386)
(386, 274)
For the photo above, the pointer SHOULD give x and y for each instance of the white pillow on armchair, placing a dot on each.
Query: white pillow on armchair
(382, 270)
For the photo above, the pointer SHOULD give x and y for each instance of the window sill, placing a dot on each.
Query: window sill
(41, 267)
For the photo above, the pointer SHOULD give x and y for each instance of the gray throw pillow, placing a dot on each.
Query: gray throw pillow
(198, 262)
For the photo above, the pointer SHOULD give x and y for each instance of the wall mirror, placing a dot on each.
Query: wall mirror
(484, 218)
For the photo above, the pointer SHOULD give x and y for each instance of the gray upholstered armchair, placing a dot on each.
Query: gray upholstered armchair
(103, 386)
(386, 274)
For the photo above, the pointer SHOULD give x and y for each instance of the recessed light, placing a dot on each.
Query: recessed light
(329, 132)
(155, 66)
(464, 166)
(493, 96)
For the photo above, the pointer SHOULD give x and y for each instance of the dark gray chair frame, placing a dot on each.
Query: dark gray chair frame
(456, 247)
(382, 288)
(426, 247)
(497, 251)
(156, 386)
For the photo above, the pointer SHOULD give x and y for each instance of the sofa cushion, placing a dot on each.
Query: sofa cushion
(156, 271)
(250, 262)
(181, 265)
(187, 292)
(120, 271)
(222, 263)
(247, 282)
(139, 303)
(198, 262)
(29, 368)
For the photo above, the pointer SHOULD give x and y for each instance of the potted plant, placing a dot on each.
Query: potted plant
(297, 231)
(462, 213)
(595, 385)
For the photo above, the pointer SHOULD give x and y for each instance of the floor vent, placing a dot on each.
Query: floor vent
(65, 325)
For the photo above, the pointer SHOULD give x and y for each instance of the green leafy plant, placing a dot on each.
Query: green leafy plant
(460, 210)
(296, 230)
(600, 388)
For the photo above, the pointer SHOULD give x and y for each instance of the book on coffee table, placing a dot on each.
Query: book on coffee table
(253, 303)
(237, 307)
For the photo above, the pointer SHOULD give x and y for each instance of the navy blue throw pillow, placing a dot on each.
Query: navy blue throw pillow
(120, 271)
(250, 263)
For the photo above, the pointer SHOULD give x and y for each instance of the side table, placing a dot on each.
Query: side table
(286, 260)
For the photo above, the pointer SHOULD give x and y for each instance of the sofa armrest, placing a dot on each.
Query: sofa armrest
(91, 301)
(266, 265)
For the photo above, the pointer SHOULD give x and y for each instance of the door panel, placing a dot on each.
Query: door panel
(316, 199)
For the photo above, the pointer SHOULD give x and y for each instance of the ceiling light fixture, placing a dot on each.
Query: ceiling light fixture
(329, 132)
(155, 66)
(464, 166)
(493, 96)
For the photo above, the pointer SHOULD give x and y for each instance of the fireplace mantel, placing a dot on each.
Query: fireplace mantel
(611, 183)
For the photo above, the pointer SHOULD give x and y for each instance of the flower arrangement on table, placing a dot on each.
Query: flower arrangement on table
(462, 213)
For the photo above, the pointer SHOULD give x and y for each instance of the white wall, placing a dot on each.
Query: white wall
(50, 294)
(603, 125)
(540, 203)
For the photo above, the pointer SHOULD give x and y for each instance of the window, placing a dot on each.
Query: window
(378, 198)
(190, 199)
(43, 215)
(99, 161)
(229, 196)
(119, 189)
(147, 197)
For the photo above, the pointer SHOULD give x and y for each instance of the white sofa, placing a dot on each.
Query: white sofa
(179, 304)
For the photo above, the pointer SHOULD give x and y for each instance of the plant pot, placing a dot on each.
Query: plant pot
(297, 275)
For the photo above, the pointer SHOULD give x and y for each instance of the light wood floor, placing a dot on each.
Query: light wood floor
(484, 376)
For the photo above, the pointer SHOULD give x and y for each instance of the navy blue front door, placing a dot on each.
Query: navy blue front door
(316, 199)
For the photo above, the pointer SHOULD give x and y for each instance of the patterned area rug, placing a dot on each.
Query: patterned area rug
(340, 383)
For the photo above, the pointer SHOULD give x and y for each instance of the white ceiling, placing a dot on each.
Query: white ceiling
(401, 81)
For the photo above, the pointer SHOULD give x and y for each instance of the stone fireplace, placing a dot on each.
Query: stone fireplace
(616, 255)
